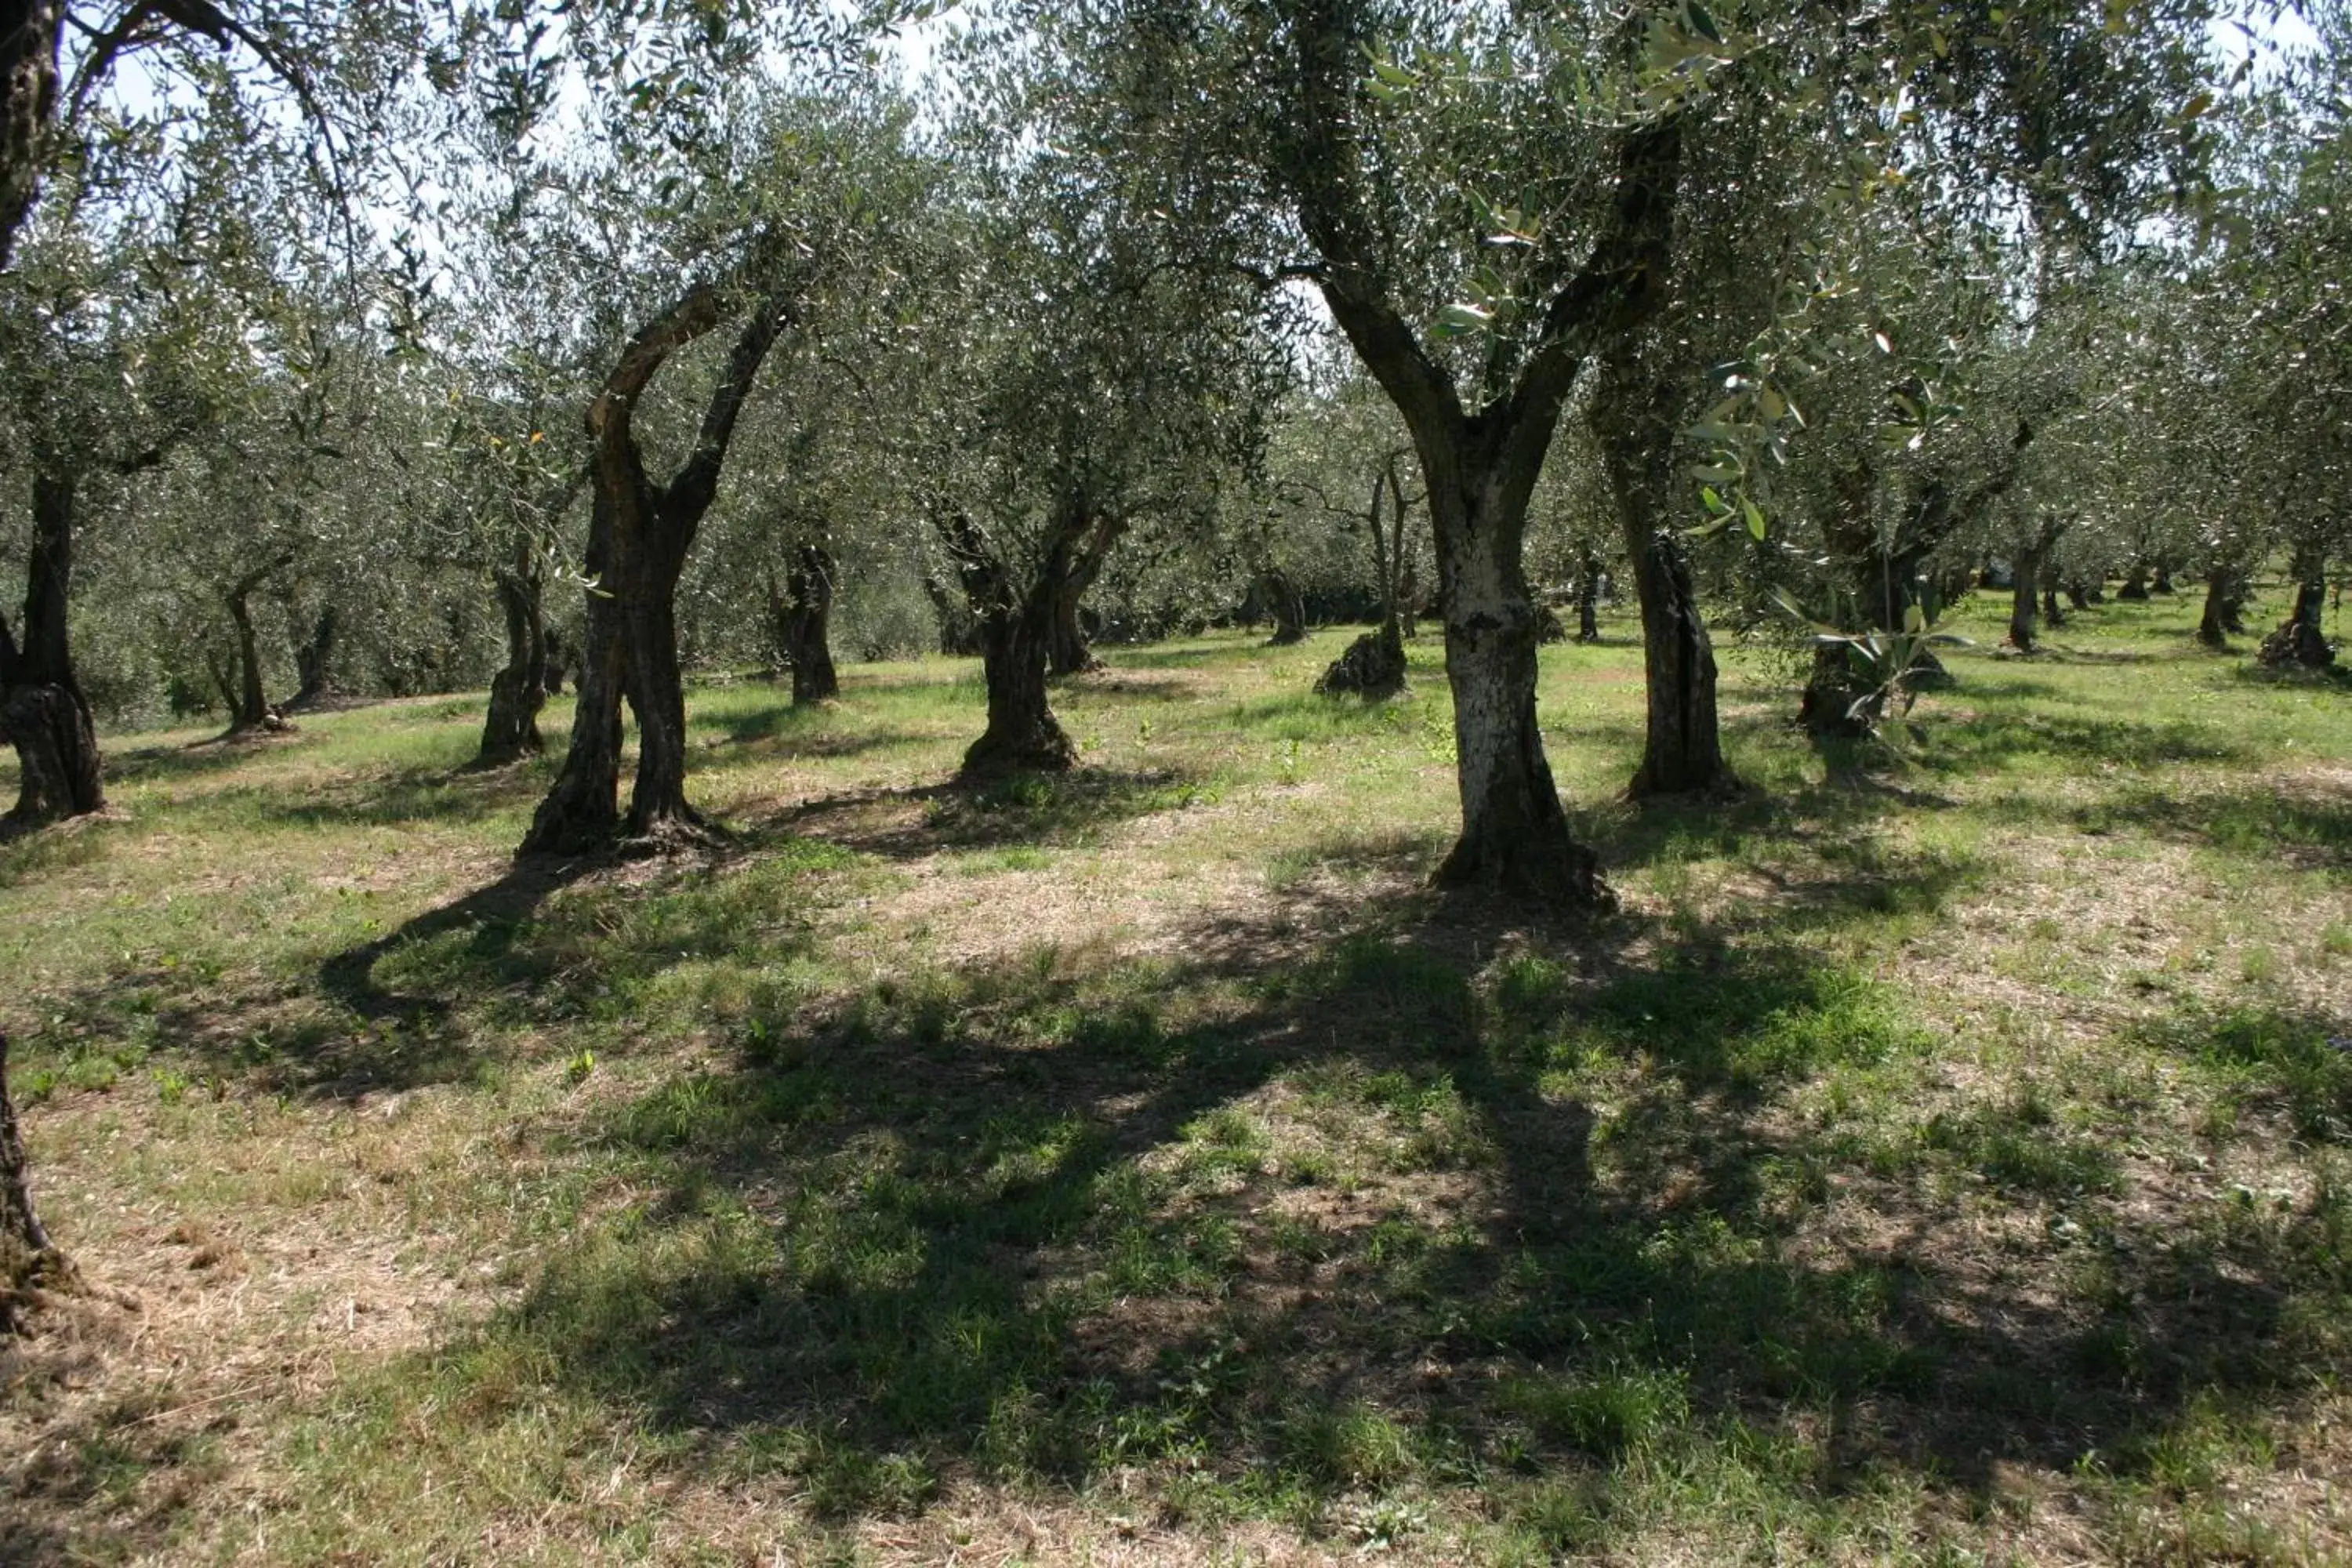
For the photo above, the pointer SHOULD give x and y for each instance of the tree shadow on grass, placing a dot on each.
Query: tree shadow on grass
(393, 798)
(1048, 809)
(149, 765)
(1343, 1201)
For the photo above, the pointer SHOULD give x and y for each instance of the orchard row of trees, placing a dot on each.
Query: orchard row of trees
(401, 349)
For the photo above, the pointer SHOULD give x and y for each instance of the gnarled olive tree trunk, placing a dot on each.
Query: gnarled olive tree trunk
(2225, 603)
(1016, 631)
(1070, 654)
(314, 654)
(249, 705)
(802, 618)
(42, 713)
(2300, 639)
(639, 535)
(28, 1261)
(1285, 606)
(1683, 752)
(518, 690)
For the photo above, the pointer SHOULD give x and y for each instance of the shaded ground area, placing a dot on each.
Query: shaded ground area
(1944, 1159)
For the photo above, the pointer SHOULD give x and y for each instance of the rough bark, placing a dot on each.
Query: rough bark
(2025, 573)
(29, 30)
(42, 713)
(2052, 615)
(314, 654)
(29, 1262)
(1016, 630)
(804, 619)
(518, 690)
(1588, 600)
(1287, 605)
(2300, 639)
(249, 705)
(1479, 468)
(2225, 598)
(640, 534)
(959, 629)
(1070, 653)
(1682, 751)
(2135, 588)
(1372, 667)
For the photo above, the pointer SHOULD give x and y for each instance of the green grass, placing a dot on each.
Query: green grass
(1944, 1158)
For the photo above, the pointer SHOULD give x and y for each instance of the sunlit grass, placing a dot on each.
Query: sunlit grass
(1944, 1157)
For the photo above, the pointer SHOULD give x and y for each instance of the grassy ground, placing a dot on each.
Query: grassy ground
(1943, 1159)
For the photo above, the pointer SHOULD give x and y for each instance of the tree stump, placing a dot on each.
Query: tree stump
(2296, 642)
(1373, 667)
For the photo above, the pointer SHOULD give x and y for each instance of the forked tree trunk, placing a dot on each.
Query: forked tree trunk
(250, 709)
(806, 625)
(42, 713)
(1479, 468)
(518, 690)
(639, 536)
(1016, 630)
(1683, 750)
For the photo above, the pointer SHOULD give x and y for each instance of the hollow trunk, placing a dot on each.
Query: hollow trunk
(2025, 573)
(314, 655)
(518, 690)
(806, 625)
